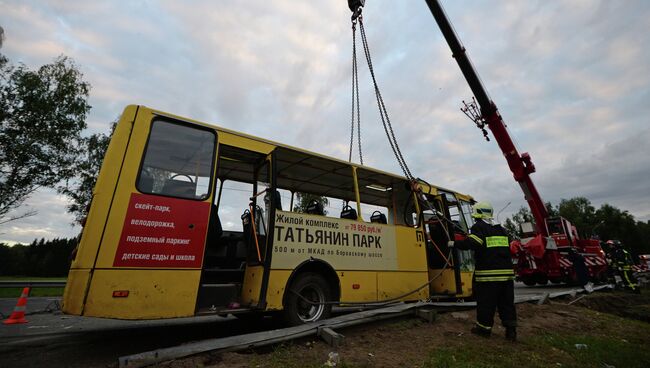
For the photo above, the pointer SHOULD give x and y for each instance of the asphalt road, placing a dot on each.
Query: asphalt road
(57, 340)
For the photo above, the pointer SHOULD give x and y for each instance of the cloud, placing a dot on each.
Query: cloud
(571, 78)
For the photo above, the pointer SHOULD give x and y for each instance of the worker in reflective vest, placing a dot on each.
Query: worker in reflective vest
(623, 264)
(493, 273)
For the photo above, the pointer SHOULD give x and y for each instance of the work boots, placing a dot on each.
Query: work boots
(511, 334)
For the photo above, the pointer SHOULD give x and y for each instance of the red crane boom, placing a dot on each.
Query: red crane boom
(520, 165)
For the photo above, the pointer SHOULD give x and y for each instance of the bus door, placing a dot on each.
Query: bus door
(258, 224)
(236, 254)
(151, 252)
(443, 263)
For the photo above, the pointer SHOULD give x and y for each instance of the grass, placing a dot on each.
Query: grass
(545, 350)
(601, 350)
(15, 292)
(29, 278)
(37, 291)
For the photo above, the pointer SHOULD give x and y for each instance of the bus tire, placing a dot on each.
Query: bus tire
(307, 287)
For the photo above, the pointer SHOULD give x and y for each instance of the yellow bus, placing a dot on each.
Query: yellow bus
(189, 219)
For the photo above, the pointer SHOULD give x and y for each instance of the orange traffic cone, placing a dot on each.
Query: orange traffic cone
(18, 315)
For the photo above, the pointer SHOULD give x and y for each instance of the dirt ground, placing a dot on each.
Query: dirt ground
(613, 326)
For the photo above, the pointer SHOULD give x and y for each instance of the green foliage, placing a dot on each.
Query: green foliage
(42, 113)
(607, 222)
(86, 168)
(512, 224)
(40, 258)
(15, 292)
(580, 213)
(304, 199)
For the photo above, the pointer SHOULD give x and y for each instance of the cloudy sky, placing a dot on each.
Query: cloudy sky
(571, 78)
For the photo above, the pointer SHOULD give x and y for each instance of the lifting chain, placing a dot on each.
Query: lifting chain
(355, 96)
(357, 18)
(356, 6)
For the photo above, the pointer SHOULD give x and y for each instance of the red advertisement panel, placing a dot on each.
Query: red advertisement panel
(162, 232)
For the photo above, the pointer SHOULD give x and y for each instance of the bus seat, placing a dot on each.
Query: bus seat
(315, 208)
(349, 213)
(378, 217)
(179, 188)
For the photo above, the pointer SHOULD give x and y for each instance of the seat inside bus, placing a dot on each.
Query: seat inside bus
(349, 213)
(315, 208)
(378, 218)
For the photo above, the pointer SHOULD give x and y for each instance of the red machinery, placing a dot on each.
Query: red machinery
(543, 256)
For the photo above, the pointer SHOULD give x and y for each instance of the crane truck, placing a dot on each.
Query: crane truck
(542, 255)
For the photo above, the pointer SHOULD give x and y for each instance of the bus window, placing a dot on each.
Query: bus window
(382, 194)
(285, 201)
(314, 177)
(265, 198)
(376, 196)
(235, 196)
(466, 209)
(237, 169)
(178, 161)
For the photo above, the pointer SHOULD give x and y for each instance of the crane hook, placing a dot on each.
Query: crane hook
(355, 7)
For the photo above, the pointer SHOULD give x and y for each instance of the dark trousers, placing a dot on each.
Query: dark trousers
(492, 296)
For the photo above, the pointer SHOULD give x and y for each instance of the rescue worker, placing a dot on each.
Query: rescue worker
(623, 264)
(493, 274)
(581, 270)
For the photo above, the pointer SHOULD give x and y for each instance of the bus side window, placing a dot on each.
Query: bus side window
(177, 161)
(383, 198)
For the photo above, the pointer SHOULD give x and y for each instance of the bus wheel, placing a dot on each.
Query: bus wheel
(303, 298)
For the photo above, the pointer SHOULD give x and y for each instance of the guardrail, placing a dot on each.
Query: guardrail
(34, 284)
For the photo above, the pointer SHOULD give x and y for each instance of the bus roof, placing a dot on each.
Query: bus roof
(290, 154)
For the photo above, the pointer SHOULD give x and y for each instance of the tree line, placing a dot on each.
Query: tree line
(41, 258)
(605, 223)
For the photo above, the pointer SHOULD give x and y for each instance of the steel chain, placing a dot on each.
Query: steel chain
(355, 97)
(383, 112)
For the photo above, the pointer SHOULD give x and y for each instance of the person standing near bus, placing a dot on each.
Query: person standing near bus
(493, 274)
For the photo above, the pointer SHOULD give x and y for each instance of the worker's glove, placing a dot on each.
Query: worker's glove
(450, 244)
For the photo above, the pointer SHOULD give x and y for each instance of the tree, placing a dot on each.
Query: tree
(513, 224)
(304, 199)
(80, 189)
(580, 213)
(621, 225)
(42, 114)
